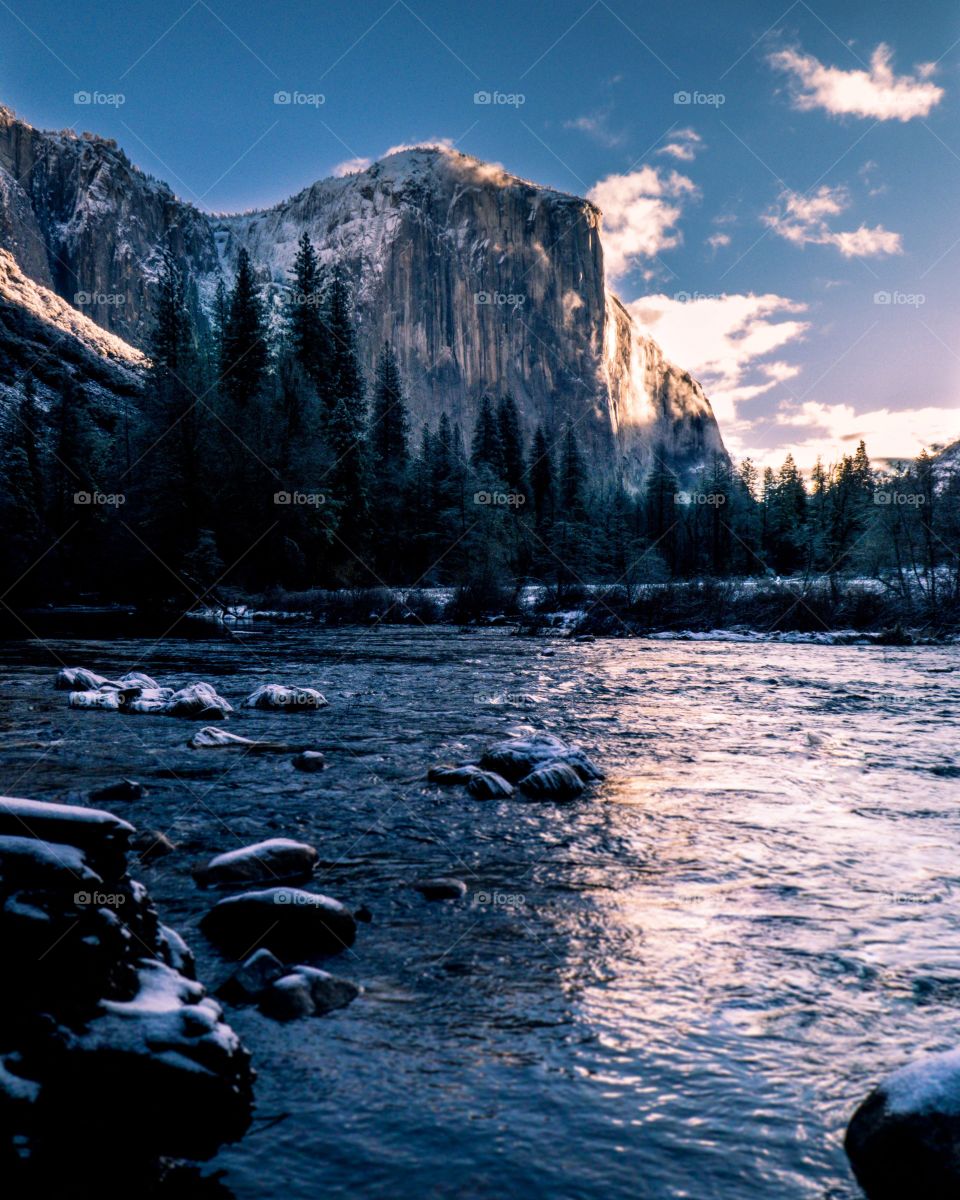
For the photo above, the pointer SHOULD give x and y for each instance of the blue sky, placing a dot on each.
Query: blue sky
(791, 232)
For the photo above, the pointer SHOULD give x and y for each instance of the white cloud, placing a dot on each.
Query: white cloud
(640, 213)
(685, 145)
(596, 125)
(723, 340)
(351, 166)
(804, 220)
(809, 428)
(876, 92)
(716, 240)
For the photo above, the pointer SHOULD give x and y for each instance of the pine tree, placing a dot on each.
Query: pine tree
(339, 374)
(511, 444)
(389, 423)
(573, 477)
(308, 336)
(244, 352)
(486, 449)
(540, 474)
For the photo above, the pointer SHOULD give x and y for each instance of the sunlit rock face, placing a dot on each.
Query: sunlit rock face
(483, 281)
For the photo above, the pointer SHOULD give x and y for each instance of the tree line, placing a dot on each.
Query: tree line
(259, 457)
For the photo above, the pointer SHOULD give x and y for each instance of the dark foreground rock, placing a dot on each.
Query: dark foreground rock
(288, 921)
(904, 1139)
(111, 1054)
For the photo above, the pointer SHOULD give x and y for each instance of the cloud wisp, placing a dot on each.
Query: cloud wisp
(805, 220)
(684, 145)
(876, 93)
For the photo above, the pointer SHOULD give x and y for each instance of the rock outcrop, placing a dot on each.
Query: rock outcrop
(111, 1054)
(483, 281)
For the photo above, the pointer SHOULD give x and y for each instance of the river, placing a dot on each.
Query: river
(680, 986)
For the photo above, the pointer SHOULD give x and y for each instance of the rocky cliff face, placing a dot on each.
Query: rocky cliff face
(484, 282)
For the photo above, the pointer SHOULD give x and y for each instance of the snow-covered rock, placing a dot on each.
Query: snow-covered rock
(107, 698)
(306, 992)
(285, 699)
(904, 1139)
(517, 757)
(310, 761)
(449, 774)
(276, 858)
(213, 738)
(111, 1050)
(198, 701)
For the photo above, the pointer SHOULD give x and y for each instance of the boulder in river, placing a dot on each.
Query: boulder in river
(126, 789)
(78, 679)
(289, 921)
(306, 992)
(310, 760)
(275, 859)
(517, 757)
(488, 785)
(553, 781)
(440, 888)
(249, 980)
(904, 1139)
(198, 701)
(279, 698)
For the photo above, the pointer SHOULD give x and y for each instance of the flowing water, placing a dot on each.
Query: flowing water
(680, 986)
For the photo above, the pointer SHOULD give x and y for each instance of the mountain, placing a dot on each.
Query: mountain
(483, 281)
(41, 334)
